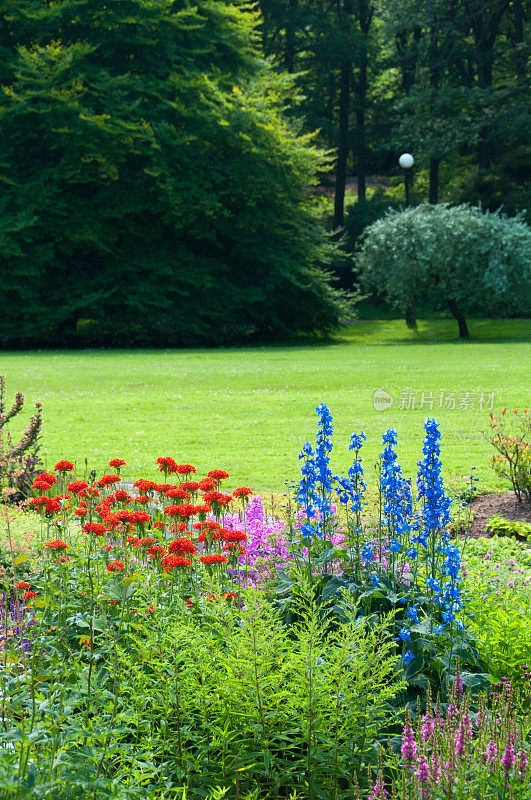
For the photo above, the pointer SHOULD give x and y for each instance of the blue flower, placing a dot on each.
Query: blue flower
(404, 634)
(412, 613)
(408, 657)
(433, 584)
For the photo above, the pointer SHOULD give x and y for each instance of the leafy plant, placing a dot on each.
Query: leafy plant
(19, 461)
(511, 436)
(506, 527)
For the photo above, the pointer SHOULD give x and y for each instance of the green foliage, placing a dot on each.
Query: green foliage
(19, 462)
(246, 702)
(498, 591)
(459, 256)
(506, 527)
(511, 437)
(152, 185)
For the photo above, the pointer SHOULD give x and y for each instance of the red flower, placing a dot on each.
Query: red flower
(107, 547)
(122, 496)
(229, 596)
(64, 466)
(185, 511)
(167, 464)
(146, 542)
(242, 491)
(56, 544)
(141, 499)
(209, 536)
(211, 597)
(233, 536)
(182, 546)
(22, 585)
(165, 487)
(184, 469)
(51, 505)
(77, 486)
(217, 474)
(175, 562)
(216, 498)
(40, 485)
(215, 558)
(47, 477)
(177, 494)
(132, 540)
(159, 525)
(190, 486)
(29, 596)
(150, 610)
(177, 527)
(108, 480)
(145, 487)
(207, 484)
(91, 492)
(116, 463)
(97, 528)
(139, 517)
(157, 550)
(114, 566)
(234, 548)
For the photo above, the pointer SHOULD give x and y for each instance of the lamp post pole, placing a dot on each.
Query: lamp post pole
(406, 161)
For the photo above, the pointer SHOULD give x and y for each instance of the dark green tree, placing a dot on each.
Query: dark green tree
(152, 185)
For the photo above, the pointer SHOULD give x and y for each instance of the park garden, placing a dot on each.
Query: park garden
(265, 439)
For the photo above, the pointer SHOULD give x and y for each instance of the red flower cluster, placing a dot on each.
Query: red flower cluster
(56, 544)
(215, 558)
(115, 566)
(77, 487)
(97, 528)
(218, 499)
(218, 474)
(233, 536)
(116, 463)
(185, 469)
(157, 550)
(182, 546)
(29, 596)
(50, 505)
(146, 542)
(185, 511)
(167, 464)
(64, 466)
(108, 480)
(190, 486)
(23, 585)
(145, 487)
(121, 496)
(44, 482)
(175, 562)
(242, 491)
(177, 494)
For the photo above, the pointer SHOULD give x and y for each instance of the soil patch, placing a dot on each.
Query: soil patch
(505, 505)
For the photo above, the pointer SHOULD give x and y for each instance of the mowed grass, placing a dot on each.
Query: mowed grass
(249, 410)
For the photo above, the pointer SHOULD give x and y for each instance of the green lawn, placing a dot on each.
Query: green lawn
(249, 410)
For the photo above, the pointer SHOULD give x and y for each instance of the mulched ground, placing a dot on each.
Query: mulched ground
(487, 505)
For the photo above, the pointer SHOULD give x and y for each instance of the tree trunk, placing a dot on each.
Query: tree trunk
(519, 51)
(289, 53)
(460, 317)
(342, 151)
(360, 131)
(434, 180)
(411, 316)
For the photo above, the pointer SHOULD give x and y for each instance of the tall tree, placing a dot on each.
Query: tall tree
(152, 184)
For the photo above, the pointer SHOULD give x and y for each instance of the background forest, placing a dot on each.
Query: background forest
(176, 173)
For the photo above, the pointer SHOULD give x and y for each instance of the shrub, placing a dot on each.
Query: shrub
(511, 436)
(458, 256)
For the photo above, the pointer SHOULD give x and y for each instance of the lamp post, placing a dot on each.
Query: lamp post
(406, 161)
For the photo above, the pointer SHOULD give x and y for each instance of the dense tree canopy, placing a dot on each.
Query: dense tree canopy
(152, 190)
(466, 260)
